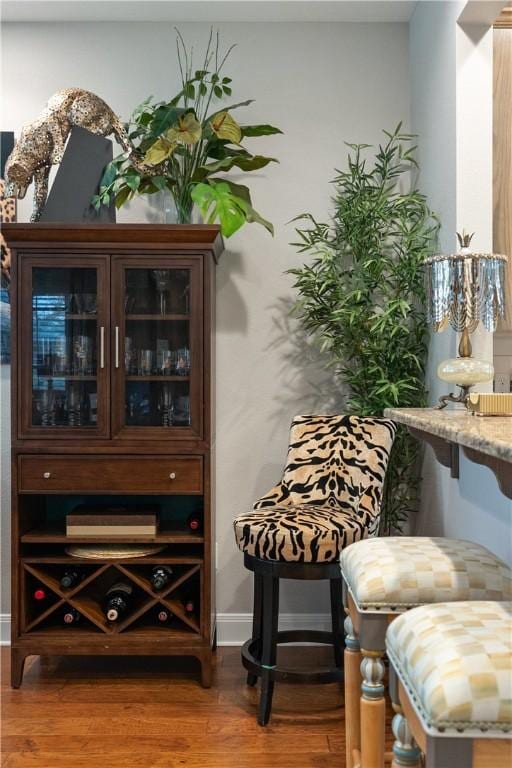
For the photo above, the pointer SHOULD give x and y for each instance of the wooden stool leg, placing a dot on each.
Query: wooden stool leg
(256, 622)
(268, 644)
(373, 710)
(405, 749)
(337, 620)
(352, 693)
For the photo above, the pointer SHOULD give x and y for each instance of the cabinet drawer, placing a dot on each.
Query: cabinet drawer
(90, 474)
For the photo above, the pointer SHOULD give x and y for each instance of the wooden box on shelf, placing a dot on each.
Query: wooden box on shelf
(112, 401)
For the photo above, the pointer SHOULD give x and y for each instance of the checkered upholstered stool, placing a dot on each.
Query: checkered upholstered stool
(329, 496)
(451, 685)
(382, 579)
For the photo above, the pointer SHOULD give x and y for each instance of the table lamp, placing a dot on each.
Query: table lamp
(462, 289)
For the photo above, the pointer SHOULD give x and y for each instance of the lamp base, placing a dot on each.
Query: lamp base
(462, 397)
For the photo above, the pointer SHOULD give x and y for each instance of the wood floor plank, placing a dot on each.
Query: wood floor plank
(148, 713)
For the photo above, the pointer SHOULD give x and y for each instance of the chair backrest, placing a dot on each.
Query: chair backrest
(339, 460)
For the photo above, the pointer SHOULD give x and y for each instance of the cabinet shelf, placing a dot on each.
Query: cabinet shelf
(56, 536)
(67, 377)
(158, 317)
(157, 378)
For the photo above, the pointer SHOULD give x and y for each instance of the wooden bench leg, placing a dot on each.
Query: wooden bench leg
(405, 750)
(352, 693)
(373, 710)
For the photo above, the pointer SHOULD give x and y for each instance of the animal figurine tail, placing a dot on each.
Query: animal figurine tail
(123, 139)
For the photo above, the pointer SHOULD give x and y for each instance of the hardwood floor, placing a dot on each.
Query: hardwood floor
(103, 712)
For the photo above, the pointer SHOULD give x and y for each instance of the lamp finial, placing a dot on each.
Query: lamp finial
(465, 238)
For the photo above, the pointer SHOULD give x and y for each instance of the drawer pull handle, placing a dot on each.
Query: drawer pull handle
(172, 476)
(47, 475)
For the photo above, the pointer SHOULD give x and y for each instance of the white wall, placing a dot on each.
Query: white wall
(451, 110)
(322, 84)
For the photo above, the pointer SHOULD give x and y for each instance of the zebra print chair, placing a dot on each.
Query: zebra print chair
(329, 496)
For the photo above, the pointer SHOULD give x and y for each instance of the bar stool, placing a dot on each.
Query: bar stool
(329, 496)
(451, 685)
(382, 579)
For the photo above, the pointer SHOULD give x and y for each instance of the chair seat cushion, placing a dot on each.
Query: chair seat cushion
(298, 532)
(397, 573)
(455, 662)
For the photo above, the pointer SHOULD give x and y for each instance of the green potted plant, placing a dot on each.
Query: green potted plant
(186, 146)
(362, 296)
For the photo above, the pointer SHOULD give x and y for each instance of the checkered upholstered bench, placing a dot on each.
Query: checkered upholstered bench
(382, 579)
(451, 685)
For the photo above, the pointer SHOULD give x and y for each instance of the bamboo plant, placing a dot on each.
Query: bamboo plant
(187, 145)
(362, 296)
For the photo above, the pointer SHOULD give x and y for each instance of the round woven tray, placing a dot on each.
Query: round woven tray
(112, 551)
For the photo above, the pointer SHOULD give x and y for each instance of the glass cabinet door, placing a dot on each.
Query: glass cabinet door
(66, 325)
(158, 351)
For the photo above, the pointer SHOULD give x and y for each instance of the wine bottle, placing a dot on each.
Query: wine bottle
(71, 616)
(70, 578)
(194, 522)
(164, 615)
(117, 600)
(40, 594)
(160, 576)
(189, 605)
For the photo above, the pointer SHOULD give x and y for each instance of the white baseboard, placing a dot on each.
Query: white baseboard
(232, 628)
(5, 628)
(236, 628)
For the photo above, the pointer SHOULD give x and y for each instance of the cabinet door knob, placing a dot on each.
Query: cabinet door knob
(172, 475)
(47, 475)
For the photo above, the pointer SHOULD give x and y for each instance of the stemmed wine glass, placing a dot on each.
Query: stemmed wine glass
(162, 278)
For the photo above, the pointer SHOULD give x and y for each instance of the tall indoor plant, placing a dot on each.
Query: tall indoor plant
(362, 296)
(181, 146)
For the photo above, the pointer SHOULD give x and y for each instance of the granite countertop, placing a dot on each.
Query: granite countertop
(491, 435)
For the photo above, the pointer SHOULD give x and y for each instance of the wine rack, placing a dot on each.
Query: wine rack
(87, 597)
(112, 402)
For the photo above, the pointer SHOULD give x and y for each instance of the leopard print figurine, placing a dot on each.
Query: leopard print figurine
(42, 142)
(330, 493)
(7, 215)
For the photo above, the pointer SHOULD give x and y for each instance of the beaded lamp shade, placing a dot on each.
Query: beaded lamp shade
(463, 289)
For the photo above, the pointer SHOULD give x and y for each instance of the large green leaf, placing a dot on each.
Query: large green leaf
(244, 162)
(216, 202)
(219, 149)
(259, 130)
(252, 216)
(227, 109)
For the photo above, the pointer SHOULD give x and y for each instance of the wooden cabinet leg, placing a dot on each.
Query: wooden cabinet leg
(405, 749)
(373, 710)
(268, 645)
(206, 672)
(352, 693)
(17, 667)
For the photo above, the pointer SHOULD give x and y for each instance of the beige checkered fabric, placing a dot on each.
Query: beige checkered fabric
(397, 573)
(455, 661)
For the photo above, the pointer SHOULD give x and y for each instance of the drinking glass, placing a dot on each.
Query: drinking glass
(162, 278)
(146, 362)
(166, 406)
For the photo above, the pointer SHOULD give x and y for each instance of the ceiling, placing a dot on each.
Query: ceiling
(207, 10)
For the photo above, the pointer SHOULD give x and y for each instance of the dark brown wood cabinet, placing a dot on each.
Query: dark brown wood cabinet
(112, 404)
